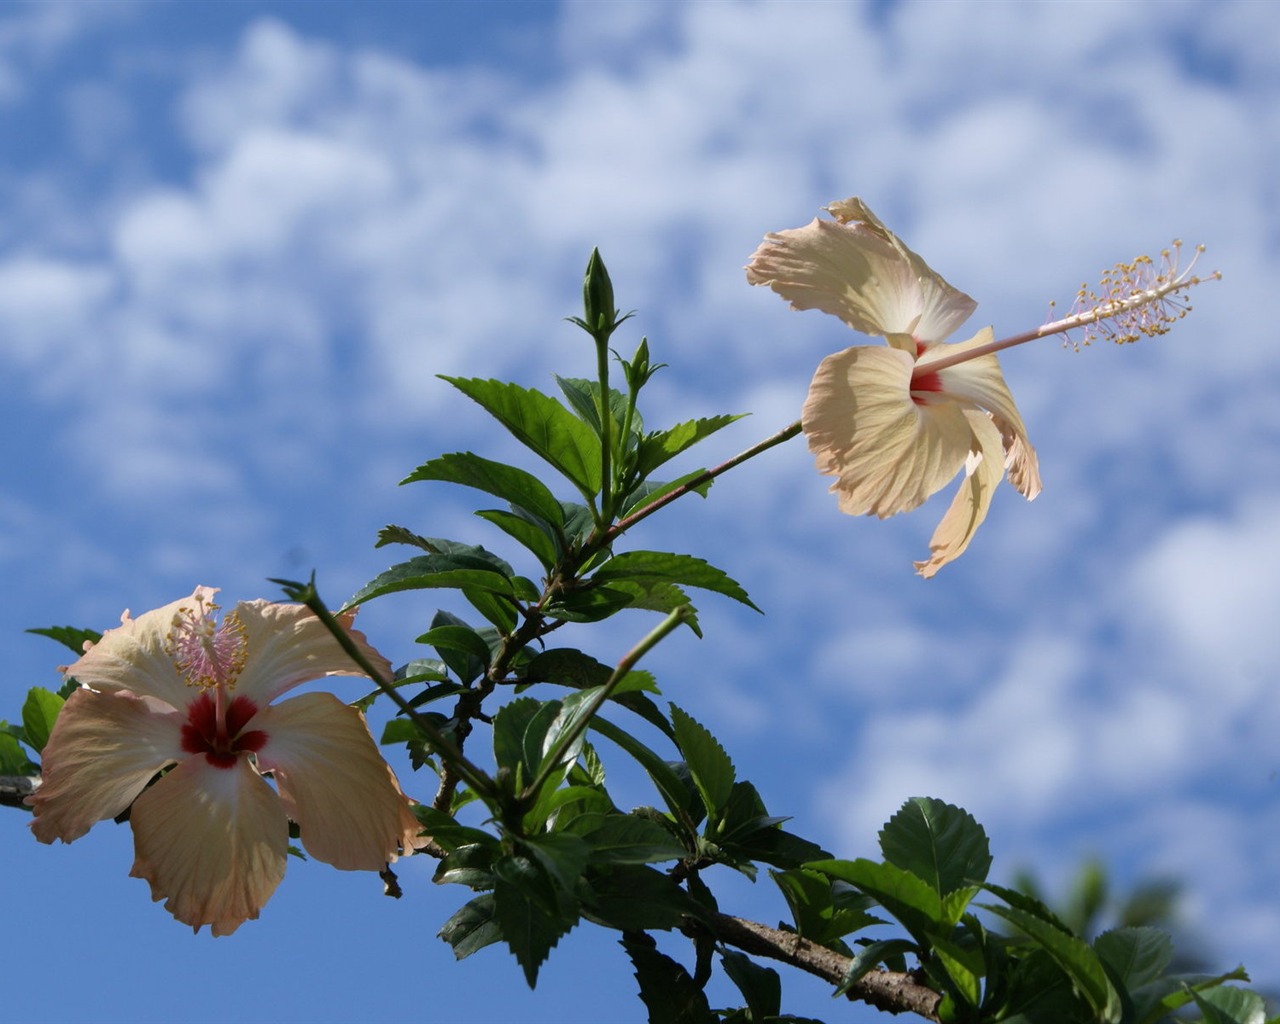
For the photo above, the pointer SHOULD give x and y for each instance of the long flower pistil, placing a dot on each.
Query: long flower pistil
(1133, 299)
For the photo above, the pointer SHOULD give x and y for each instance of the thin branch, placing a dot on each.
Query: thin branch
(705, 477)
(890, 991)
(472, 775)
(16, 788)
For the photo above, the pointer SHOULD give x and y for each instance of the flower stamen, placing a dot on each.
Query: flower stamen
(1134, 299)
(207, 653)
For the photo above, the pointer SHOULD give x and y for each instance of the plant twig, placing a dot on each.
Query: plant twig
(472, 775)
(14, 789)
(891, 991)
(566, 739)
(705, 477)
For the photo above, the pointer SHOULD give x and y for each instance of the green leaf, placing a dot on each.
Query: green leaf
(1028, 904)
(543, 425)
(446, 831)
(904, 895)
(647, 492)
(871, 956)
(626, 839)
(531, 923)
(69, 636)
(712, 771)
(39, 712)
(523, 490)
(685, 570)
(663, 445)
(823, 910)
(653, 595)
(760, 986)
(532, 533)
(497, 609)
(470, 864)
(1157, 999)
(519, 729)
(778, 847)
(568, 720)
(463, 649)
(566, 666)
(435, 572)
(673, 791)
(1073, 955)
(584, 397)
(565, 805)
(1230, 1005)
(472, 928)
(636, 898)
(590, 604)
(666, 989)
(937, 842)
(1136, 955)
(563, 857)
(13, 759)
(391, 534)
(1038, 991)
(964, 967)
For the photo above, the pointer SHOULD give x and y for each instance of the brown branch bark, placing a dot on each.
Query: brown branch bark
(890, 991)
(15, 788)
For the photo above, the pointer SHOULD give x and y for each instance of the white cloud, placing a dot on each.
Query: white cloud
(1206, 593)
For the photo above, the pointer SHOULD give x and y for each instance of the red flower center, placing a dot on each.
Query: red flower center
(923, 381)
(221, 738)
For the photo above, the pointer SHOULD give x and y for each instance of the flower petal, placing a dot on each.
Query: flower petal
(982, 472)
(104, 749)
(858, 270)
(134, 656)
(212, 842)
(889, 452)
(979, 380)
(287, 645)
(335, 784)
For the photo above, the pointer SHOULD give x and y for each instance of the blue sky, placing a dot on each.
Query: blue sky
(238, 240)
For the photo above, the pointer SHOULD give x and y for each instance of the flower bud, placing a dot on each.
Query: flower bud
(597, 297)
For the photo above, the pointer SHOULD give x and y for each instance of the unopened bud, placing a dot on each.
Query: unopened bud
(597, 296)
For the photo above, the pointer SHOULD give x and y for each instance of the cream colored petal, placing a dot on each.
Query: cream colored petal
(888, 452)
(133, 656)
(287, 645)
(857, 270)
(212, 842)
(840, 271)
(334, 783)
(982, 472)
(980, 381)
(942, 308)
(104, 749)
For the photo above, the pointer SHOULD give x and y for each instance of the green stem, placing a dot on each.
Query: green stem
(706, 476)
(472, 775)
(566, 739)
(606, 428)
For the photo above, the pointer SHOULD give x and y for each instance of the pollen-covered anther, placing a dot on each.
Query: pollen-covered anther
(207, 652)
(1135, 299)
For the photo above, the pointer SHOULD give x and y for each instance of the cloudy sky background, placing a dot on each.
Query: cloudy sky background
(237, 241)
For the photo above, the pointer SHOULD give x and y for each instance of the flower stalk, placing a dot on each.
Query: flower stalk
(473, 776)
(565, 741)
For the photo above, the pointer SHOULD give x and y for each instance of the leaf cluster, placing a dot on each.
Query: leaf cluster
(530, 828)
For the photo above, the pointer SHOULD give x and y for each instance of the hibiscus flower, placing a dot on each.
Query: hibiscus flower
(895, 424)
(178, 691)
